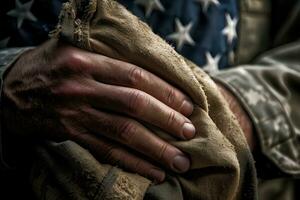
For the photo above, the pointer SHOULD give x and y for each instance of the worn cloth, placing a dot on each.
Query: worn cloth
(221, 162)
(205, 23)
(262, 26)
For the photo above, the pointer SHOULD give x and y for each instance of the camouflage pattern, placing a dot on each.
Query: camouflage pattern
(268, 88)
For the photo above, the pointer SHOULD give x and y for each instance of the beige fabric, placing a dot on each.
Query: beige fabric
(222, 166)
(67, 171)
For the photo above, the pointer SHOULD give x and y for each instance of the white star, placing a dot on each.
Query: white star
(182, 35)
(254, 97)
(212, 64)
(230, 29)
(21, 12)
(4, 42)
(150, 5)
(205, 3)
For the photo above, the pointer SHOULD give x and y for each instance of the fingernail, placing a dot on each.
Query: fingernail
(158, 175)
(186, 108)
(181, 163)
(188, 130)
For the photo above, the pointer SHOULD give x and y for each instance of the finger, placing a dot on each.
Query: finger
(141, 106)
(128, 101)
(106, 151)
(135, 136)
(115, 72)
(119, 156)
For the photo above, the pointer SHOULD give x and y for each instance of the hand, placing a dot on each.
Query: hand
(57, 91)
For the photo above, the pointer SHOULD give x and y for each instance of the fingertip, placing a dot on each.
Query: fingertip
(157, 175)
(188, 130)
(181, 164)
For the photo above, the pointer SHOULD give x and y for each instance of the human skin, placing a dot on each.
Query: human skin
(241, 115)
(102, 104)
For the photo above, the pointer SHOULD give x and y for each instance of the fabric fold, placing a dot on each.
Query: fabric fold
(221, 163)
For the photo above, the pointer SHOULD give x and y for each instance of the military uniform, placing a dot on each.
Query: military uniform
(262, 68)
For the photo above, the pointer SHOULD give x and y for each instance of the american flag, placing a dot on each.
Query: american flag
(204, 31)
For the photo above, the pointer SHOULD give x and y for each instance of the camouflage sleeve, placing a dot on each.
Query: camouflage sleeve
(7, 57)
(269, 90)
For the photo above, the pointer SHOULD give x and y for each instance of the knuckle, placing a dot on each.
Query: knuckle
(112, 155)
(67, 113)
(171, 118)
(71, 57)
(137, 102)
(72, 87)
(73, 60)
(73, 132)
(136, 76)
(162, 150)
(126, 131)
(62, 88)
(138, 166)
(171, 96)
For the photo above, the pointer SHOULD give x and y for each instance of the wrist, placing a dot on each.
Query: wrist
(241, 115)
